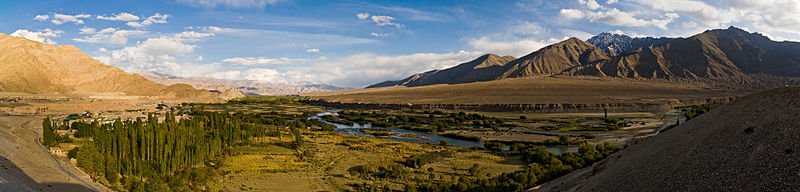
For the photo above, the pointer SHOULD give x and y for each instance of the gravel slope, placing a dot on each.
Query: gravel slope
(752, 144)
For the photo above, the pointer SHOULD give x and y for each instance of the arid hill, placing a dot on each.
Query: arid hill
(33, 67)
(751, 144)
(728, 57)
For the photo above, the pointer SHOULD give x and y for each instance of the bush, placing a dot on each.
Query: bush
(72, 153)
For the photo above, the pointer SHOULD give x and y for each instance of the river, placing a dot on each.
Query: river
(355, 129)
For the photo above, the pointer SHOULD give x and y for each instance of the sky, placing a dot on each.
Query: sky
(352, 44)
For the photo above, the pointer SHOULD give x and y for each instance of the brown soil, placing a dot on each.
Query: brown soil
(751, 144)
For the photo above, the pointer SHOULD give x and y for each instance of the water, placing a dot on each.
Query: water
(432, 138)
(681, 118)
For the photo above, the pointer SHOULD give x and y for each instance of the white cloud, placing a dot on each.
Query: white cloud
(365, 69)
(689, 24)
(571, 13)
(261, 61)
(516, 40)
(515, 47)
(41, 17)
(591, 4)
(698, 10)
(156, 54)
(611, 1)
(575, 33)
(87, 30)
(107, 35)
(380, 20)
(618, 32)
(616, 17)
(234, 4)
(312, 50)
(120, 17)
(59, 19)
(362, 16)
(157, 18)
(44, 36)
(379, 34)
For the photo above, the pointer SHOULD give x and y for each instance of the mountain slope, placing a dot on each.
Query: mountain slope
(33, 67)
(728, 57)
(484, 68)
(616, 44)
(549, 60)
(750, 144)
(555, 59)
(703, 56)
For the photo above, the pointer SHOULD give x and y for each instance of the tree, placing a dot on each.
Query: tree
(474, 170)
(72, 153)
(443, 142)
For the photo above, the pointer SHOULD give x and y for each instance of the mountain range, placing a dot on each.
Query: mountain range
(237, 88)
(728, 57)
(39, 68)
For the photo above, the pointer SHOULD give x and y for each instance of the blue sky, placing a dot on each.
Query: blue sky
(357, 43)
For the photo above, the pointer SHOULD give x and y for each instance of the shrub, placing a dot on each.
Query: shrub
(72, 153)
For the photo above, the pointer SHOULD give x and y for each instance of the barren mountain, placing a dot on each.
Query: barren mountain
(729, 57)
(750, 144)
(234, 88)
(549, 60)
(484, 68)
(34, 67)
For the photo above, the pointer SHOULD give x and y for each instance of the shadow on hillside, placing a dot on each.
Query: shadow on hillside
(12, 178)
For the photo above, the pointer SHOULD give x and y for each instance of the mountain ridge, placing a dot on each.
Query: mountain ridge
(39, 68)
(724, 56)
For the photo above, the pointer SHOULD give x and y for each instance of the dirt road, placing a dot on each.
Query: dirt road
(25, 165)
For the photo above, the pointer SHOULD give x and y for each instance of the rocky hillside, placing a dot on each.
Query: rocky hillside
(729, 57)
(234, 88)
(751, 144)
(33, 67)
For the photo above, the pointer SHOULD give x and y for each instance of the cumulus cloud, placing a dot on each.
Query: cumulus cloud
(87, 30)
(123, 16)
(155, 54)
(611, 1)
(107, 35)
(44, 36)
(234, 4)
(59, 19)
(591, 4)
(698, 10)
(157, 18)
(260, 61)
(364, 69)
(380, 20)
(362, 16)
(312, 50)
(41, 17)
(516, 40)
(616, 17)
(571, 13)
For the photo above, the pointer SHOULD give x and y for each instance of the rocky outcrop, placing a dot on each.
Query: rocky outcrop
(530, 108)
